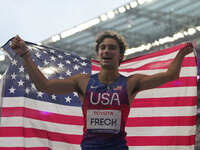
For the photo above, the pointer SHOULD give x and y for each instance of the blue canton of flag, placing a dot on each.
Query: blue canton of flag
(53, 63)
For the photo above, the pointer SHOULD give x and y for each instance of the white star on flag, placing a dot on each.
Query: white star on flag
(20, 83)
(68, 73)
(12, 90)
(83, 64)
(60, 65)
(14, 62)
(53, 58)
(76, 67)
(68, 62)
(27, 90)
(75, 59)
(33, 86)
(75, 94)
(13, 76)
(40, 94)
(21, 69)
(46, 62)
(68, 99)
(27, 77)
(60, 56)
(53, 97)
(38, 54)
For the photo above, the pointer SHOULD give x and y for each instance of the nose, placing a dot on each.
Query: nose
(106, 49)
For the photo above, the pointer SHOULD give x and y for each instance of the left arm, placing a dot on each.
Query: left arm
(144, 82)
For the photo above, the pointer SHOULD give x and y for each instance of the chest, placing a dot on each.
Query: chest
(105, 98)
(100, 94)
(104, 95)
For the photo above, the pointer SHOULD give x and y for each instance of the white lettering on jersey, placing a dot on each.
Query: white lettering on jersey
(105, 98)
(115, 97)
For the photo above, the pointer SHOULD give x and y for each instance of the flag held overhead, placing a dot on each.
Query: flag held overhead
(161, 118)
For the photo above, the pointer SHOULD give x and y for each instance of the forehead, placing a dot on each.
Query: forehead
(109, 41)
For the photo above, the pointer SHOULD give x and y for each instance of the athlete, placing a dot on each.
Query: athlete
(107, 96)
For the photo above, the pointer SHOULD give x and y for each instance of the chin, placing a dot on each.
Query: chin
(107, 66)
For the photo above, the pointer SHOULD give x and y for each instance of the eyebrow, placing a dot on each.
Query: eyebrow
(108, 44)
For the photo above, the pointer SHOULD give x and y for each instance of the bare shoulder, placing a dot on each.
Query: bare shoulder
(133, 85)
(81, 82)
(135, 77)
(132, 81)
(82, 78)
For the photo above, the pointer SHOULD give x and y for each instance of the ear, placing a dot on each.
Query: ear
(121, 57)
(97, 56)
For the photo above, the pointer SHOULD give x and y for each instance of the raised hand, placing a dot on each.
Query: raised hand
(187, 49)
(19, 46)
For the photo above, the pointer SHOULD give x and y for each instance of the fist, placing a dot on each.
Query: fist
(18, 45)
(187, 49)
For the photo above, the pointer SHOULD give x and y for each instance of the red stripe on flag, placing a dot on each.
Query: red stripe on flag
(38, 133)
(95, 68)
(164, 102)
(181, 82)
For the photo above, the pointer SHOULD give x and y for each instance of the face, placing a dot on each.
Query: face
(109, 53)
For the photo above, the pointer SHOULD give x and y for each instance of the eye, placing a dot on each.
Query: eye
(112, 47)
(102, 46)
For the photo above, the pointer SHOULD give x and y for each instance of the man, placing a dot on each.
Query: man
(106, 97)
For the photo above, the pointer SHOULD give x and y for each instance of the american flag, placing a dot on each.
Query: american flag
(163, 118)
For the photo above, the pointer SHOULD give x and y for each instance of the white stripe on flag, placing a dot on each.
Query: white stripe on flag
(41, 106)
(168, 92)
(185, 71)
(163, 111)
(43, 125)
(161, 147)
(158, 131)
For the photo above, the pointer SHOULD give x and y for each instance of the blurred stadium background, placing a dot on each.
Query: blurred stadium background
(146, 25)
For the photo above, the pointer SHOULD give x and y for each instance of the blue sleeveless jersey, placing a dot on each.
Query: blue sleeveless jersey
(105, 112)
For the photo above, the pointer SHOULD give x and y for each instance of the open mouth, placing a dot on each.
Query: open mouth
(107, 58)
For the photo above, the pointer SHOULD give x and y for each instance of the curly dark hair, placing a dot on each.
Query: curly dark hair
(114, 35)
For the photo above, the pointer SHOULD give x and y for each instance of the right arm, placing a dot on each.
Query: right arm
(53, 86)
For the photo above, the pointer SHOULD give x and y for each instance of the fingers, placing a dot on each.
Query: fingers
(18, 38)
(18, 44)
(187, 49)
(16, 41)
(13, 43)
(189, 45)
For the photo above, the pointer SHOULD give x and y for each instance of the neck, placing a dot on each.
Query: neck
(108, 76)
